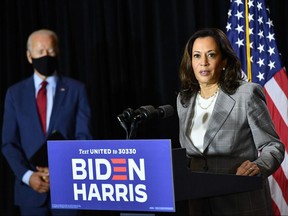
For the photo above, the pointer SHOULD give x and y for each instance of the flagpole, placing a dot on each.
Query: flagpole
(248, 56)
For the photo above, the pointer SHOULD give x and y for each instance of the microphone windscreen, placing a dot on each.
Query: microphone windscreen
(148, 108)
(147, 112)
(166, 111)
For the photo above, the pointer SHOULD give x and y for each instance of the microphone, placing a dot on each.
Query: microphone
(134, 117)
(164, 111)
(149, 112)
(145, 112)
(126, 115)
(129, 114)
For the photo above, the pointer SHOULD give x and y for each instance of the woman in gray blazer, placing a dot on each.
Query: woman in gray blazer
(225, 125)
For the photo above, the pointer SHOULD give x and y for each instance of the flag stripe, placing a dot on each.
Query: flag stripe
(275, 208)
(277, 116)
(285, 169)
(277, 94)
(280, 178)
(277, 197)
(281, 77)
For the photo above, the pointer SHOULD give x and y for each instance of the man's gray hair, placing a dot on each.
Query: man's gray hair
(45, 32)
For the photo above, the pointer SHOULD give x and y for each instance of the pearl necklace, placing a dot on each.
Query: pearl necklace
(211, 98)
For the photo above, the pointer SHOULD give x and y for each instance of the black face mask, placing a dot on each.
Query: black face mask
(45, 65)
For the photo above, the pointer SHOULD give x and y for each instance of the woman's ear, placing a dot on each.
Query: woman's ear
(224, 64)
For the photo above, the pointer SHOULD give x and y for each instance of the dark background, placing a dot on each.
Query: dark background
(127, 52)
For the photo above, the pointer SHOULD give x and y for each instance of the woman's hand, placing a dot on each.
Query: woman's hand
(248, 168)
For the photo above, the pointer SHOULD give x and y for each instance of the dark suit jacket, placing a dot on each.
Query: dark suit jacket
(22, 135)
(239, 128)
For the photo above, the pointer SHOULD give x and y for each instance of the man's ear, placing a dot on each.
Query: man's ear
(29, 57)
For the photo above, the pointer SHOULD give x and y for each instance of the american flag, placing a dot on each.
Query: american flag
(250, 31)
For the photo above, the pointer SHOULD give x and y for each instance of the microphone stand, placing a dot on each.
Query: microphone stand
(133, 126)
(135, 120)
(139, 119)
(131, 132)
(124, 126)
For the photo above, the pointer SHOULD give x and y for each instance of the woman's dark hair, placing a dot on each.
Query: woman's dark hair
(230, 78)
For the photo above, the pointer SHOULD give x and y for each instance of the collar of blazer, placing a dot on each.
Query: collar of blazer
(223, 106)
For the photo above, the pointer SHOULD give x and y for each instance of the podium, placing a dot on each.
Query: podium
(190, 185)
(131, 175)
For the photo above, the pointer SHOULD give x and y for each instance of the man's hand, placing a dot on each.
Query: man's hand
(39, 180)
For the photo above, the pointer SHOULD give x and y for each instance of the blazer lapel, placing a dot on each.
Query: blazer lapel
(223, 106)
(188, 116)
(60, 93)
(30, 104)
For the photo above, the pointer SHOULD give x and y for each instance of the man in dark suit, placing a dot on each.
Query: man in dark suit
(67, 111)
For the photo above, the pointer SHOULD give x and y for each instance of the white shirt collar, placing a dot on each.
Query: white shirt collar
(52, 80)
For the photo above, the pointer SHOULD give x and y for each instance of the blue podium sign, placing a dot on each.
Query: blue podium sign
(120, 175)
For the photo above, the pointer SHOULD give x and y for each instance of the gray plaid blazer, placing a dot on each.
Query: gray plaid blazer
(240, 129)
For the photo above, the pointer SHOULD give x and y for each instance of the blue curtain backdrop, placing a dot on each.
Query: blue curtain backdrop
(127, 52)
